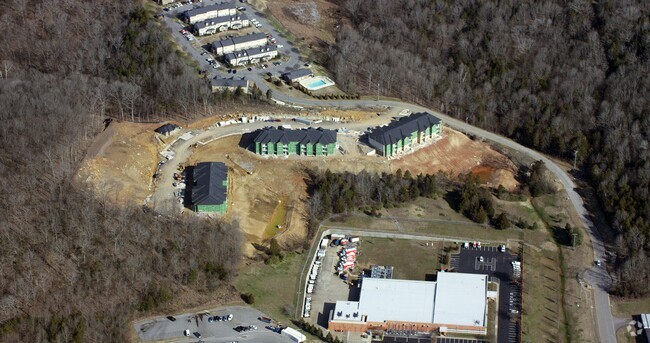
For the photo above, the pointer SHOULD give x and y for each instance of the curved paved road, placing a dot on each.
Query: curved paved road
(596, 276)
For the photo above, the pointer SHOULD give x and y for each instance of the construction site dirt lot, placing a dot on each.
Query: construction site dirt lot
(122, 160)
(457, 154)
(255, 196)
(120, 163)
(311, 22)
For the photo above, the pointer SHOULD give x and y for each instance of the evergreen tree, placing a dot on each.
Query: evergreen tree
(502, 221)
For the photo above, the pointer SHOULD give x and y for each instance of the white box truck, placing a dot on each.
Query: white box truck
(294, 335)
(324, 243)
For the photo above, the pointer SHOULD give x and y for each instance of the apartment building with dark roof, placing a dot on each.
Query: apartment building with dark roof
(405, 134)
(305, 142)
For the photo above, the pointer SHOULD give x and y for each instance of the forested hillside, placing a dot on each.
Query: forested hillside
(73, 266)
(554, 75)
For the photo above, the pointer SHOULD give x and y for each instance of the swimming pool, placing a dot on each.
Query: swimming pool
(316, 82)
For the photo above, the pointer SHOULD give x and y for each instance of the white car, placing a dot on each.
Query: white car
(187, 333)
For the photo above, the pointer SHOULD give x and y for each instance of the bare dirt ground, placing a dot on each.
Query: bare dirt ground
(254, 197)
(457, 154)
(121, 162)
(314, 28)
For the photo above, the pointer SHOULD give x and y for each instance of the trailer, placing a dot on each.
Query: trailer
(293, 335)
(302, 121)
(336, 236)
(324, 243)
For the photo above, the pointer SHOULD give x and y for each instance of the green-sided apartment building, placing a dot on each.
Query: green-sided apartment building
(210, 187)
(405, 133)
(305, 142)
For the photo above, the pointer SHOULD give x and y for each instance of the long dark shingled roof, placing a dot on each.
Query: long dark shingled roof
(303, 136)
(208, 188)
(403, 127)
(167, 128)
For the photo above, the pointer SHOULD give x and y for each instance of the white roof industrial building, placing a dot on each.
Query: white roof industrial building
(460, 299)
(455, 301)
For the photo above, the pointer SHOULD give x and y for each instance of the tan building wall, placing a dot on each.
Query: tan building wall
(397, 325)
(212, 14)
(222, 50)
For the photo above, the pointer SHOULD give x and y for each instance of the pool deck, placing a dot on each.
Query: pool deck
(316, 83)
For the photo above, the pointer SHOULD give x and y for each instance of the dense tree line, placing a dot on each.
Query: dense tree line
(333, 193)
(74, 266)
(475, 201)
(558, 76)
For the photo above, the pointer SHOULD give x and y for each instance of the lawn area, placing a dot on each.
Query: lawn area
(436, 217)
(412, 260)
(626, 308)
(274, 286)
(622, 336)
(277, 219)
(543, 315)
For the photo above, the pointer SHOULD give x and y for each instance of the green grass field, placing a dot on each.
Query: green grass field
(542, 310)
(274, 286)
(628, 308)
(277, 219)
(412, 260)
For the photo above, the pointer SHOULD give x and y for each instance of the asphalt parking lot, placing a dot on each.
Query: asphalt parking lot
(498, 267)
(328, 290)
(163, 328)
(291, 55)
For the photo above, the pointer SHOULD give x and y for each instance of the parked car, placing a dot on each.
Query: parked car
(172, 318)
(187, 333)
(197, 334)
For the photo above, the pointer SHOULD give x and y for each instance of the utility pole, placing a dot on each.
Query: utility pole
(575, 158)
(574, 240)
(377, 91)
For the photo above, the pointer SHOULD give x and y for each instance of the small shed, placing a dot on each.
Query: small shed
(167, 129)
